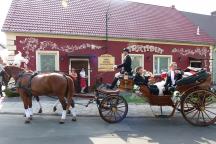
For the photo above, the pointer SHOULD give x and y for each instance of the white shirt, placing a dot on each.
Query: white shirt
(173, 77)
(82, 74)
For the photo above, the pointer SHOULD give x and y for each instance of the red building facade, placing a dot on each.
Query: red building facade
(60, 54)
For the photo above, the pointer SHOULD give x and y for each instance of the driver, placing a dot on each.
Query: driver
(125, 67)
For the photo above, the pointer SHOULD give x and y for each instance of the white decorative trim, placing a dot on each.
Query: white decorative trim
(38, 53)
(197, 51)
(154, 56)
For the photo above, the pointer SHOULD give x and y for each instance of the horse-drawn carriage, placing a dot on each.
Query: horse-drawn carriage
(192, 97)
(195, 100)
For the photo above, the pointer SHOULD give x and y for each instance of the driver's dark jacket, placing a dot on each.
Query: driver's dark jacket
(140, 80)
(126, 65)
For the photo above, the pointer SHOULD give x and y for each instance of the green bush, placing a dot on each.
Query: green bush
(11, 93)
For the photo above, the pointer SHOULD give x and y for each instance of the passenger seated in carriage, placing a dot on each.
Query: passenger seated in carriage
(173, 75)
(142, 78)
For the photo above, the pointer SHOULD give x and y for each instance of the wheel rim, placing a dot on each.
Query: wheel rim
(199, 108)
(113, 109)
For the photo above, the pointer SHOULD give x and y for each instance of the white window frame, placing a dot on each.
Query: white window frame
(81, 59)
(191, 61)
(154, 56)
(142, 55)
(38, 61)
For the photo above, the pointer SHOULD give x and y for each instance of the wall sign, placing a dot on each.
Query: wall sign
(105, 63)
(145, 48)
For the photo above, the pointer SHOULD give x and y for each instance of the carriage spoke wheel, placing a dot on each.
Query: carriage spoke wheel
(113, 109)
(199, 107)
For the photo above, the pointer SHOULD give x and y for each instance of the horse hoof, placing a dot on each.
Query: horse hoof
(54, 109)
(61, 122)
(40, 110)
(31, 117)
(68, 112)
(74, 119)
(27, 121)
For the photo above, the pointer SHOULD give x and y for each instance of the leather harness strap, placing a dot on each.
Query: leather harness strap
(27, 87)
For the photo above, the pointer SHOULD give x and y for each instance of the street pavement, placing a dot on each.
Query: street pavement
(93, 130)
(15, 106)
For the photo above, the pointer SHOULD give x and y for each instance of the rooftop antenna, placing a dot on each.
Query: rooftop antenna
(198, 30)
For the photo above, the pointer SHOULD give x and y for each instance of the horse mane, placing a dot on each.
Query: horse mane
(14, 69)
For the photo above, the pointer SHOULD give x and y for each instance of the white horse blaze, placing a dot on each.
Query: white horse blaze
(63, 114)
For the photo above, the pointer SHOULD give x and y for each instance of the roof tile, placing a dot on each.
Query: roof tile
(87, 17)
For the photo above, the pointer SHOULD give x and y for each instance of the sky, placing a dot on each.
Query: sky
(195, 6)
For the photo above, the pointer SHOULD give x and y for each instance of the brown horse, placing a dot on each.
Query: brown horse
(54, 84)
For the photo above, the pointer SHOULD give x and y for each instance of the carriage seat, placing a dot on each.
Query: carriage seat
(201, 75)
(126, 82)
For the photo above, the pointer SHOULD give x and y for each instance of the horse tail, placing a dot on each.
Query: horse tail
(70, 91)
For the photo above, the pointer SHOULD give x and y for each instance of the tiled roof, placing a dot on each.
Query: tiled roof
(87, 17)
(206, 22)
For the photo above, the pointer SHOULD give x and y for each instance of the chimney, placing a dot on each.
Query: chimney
(198, 30)
(173, 6)
(213, 13)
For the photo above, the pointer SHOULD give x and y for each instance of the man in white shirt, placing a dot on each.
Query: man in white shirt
(170, 82)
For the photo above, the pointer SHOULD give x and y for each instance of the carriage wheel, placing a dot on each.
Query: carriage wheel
(199, 107)
(113, 109)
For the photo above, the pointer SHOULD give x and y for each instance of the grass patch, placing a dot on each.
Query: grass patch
(11, 93)
(133, 98)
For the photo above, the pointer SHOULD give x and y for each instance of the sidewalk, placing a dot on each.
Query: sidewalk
(15, 106)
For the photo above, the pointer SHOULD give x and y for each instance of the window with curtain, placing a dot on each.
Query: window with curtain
(47, 61)
(161, 64)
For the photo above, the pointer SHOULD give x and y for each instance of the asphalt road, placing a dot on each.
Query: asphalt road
(93, 130)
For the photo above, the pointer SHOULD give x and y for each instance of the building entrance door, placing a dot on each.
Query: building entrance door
(78, 64)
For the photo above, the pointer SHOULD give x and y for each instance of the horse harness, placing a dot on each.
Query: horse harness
(27, 87)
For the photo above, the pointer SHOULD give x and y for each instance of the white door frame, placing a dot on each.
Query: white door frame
(81, 59)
